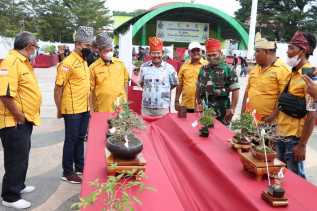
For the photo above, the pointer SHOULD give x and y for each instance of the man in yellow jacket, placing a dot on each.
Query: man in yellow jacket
(72, 90)
(20, 101)
(187, 76)
(109, 77)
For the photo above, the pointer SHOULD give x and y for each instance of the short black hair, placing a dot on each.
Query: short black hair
(23, 39)
(311, 41)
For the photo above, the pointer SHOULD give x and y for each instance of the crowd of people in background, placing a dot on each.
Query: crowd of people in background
(90, 79)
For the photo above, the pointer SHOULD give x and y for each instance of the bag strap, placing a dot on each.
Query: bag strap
(287, 86)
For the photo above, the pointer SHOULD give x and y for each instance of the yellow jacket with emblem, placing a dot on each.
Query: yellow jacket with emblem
(188, 75)
(108, 82)
(17, 80)
(73, 75)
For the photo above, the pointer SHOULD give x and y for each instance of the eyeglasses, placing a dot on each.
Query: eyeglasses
(36, 46)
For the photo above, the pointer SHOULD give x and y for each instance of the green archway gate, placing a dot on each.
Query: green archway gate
(226, 27)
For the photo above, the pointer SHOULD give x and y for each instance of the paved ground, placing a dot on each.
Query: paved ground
(46, 155)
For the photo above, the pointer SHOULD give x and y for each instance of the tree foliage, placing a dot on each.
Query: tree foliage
(280, 19)
(53, 20)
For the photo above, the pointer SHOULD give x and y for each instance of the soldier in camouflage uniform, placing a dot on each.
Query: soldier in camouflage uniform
(215, 82)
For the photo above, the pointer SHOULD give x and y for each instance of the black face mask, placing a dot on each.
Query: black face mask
(85, 52)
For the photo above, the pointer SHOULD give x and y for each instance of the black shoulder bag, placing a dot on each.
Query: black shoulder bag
(292, 105)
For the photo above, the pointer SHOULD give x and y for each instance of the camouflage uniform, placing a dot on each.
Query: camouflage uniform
(215, 84)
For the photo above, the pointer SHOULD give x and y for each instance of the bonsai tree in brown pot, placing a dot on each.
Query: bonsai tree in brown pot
(245, 129)
(266, 142)
(121, 141)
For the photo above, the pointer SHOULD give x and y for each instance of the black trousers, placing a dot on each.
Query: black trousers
(16, 142)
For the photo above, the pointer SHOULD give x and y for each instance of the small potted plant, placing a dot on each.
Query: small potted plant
(121, 141)
(207, 121)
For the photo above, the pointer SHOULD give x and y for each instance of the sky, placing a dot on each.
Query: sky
(227, 6)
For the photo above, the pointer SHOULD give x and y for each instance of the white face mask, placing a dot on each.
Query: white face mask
(108, 56)
(32, 56)
(294, 61)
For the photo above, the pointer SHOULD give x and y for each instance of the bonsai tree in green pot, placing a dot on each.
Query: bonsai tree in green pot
(121, 141)
(207, 121)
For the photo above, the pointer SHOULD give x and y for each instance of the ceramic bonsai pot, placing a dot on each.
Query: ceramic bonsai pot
(204, 132)
(259, 155)
(120, 151)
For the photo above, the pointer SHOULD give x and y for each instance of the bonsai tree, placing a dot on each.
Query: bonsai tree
(124, 123)
(118, 191)
(121, 141)
(245, 124)
(207, 121)
(207, 117)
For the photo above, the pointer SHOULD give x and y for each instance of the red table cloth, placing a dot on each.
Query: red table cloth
(135, 99)
(192, 173)
(95, 167)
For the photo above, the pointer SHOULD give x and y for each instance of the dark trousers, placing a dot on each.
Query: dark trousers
(75, 133)
(16, 142)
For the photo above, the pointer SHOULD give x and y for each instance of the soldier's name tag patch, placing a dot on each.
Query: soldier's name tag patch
(4, 72)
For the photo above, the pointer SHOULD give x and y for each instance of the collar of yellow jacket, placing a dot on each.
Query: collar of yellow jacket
(77, 56)
(18, 55)
(201, 61)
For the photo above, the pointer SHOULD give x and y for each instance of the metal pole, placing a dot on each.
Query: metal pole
(252, 29)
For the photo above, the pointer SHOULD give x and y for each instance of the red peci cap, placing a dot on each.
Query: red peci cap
(212, 45)
(156, 44)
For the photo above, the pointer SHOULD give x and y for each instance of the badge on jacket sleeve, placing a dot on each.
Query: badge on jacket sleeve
(4, 72)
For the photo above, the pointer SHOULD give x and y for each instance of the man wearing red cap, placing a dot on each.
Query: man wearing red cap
(215, 82)
(296, 130)
(157, 78)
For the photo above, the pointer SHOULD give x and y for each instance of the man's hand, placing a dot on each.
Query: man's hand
(19, 118)
(199, 108)
(229, 115)
(177, 106)
(299, 152)
(311, 86)
(59, 114)
(271, 117)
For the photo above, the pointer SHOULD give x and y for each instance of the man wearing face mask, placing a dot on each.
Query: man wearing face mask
(215, 82)
(94, 55)
(109, 77)
(266, 81)
(72, 94)
(20, 101)
(187, 76)
(157, 78)
(296, 130)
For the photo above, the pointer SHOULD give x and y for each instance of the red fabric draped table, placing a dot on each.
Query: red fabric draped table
(45, 61)
(135, 98)
(192, 173)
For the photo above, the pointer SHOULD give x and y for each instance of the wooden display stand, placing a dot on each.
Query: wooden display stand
(258, 167)
(124, 165)
(273, 201)
(240, 147)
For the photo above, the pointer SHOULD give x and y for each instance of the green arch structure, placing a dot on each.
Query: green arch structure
(235, 24)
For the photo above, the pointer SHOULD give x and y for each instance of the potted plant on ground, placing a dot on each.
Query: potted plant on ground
(207, 121)
(121, 141)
